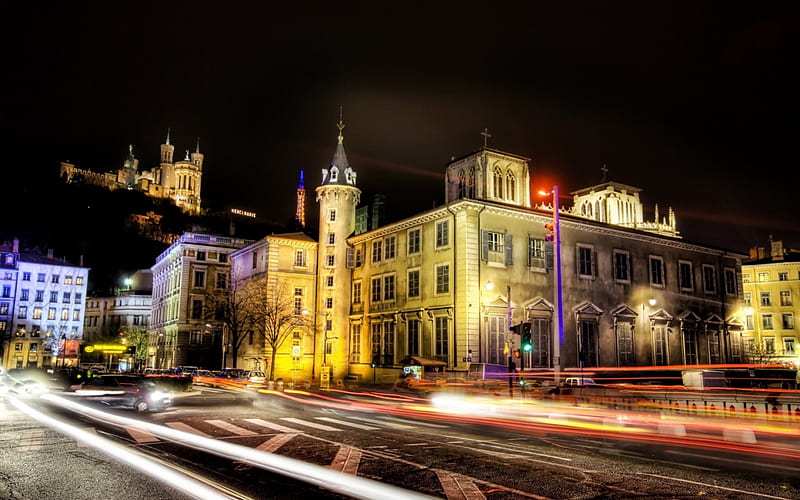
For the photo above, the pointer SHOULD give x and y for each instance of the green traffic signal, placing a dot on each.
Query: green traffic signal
(527, 346)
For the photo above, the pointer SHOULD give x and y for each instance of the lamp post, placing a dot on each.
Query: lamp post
(558, 327)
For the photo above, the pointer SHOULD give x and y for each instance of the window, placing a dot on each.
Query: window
(413, 241)
(376, 342)
(511, 186)
(377, 253)
(788, 346)
(199, 278)
(66, 297)
(78, 298)
(79, 280)
(412, 337)
(223, 257)
(787, 321)
(3, 326)
(37, 313)
(332, 215)
(201, 255)
(493, 247)
(51, 313)
(709, 279)
(624, 330)
(195, 337)
(536, 252)
(748, 299)
(24, 294)
(442, 234)
(783, 276)
(766, 299)
(786, 297)
(498, 183)
(6, 290)
(375, 291)
(413, 283)
(331, 238)
(766, 321)
(54, 278)
(8, 275)
(22, 312)
(443, 278)
(389, 248)
(222, 280)
(748, 322)
(39, 295)
(26, 276)
(197, 309)
(355, 344)
(730, 281)
(441, 338)
(300, 258)
(585, 261)
(388, 342)
(64, 314)
(359, 257)
(330, 260)
(34, 347)
(329, 281)
(685, 275)
(622, 266)
(40, 277)
(657, 271)
(769, 345)
(255, 259)
(762, 277)
(4, 309)
(745, 277)
(328, 302)
(18, 346)
(53, 296)
(356, 292)
(388, 287)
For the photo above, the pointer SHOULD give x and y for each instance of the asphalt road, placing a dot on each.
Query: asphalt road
(363, 436)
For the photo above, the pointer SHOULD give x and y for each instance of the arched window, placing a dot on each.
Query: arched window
(498, 183)
(462, 184)
(511, 186)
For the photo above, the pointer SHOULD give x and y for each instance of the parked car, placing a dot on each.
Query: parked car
(130, 391)
(203, 377)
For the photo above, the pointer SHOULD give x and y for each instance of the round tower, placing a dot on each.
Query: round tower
(338, 197)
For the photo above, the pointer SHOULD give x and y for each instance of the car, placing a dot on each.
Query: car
(255, 377)
(579, 382)
(203, 377)
(130, 391)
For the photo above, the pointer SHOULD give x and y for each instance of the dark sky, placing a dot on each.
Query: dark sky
(694, 102)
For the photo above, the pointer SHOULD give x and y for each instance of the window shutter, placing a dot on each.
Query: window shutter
(349, 258)
(594, 263)
(484, 245)
(509, 249)
(548, 255)
(528, 250)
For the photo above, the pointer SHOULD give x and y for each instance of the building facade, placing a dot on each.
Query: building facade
(130, 307)
(771, 287)
(282, 268)
(179, 181)
(42, 307)
(184, 275)
(634, 293)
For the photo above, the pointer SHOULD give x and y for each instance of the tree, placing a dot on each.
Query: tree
(136, 336)
(275, 315)
(231, 307)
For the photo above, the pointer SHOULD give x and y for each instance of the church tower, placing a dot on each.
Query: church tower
(338, 197)
(300, 213)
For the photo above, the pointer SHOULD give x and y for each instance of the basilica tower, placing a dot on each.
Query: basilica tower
(338, 197)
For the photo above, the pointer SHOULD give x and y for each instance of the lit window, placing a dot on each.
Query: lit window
(786, 297)
(442, 278)
(442, 234)
(762, 277)
(67, 280)
(79, 280)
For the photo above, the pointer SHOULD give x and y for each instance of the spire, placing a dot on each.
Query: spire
(167, 136)
(302, 183)
(300, 211)
(198, 145)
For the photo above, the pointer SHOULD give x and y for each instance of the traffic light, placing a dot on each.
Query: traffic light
(550, 235)
(516, 329)
(526, 344)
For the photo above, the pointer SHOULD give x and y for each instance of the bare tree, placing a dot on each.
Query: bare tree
(275, 314)
(232, 307)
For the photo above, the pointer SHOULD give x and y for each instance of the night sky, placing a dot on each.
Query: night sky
(696, 103)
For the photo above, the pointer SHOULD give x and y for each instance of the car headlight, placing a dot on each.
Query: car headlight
(159, 395)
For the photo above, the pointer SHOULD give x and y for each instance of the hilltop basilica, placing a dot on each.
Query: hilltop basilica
(178, 181)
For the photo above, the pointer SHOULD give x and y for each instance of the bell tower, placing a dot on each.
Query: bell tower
(338, 197)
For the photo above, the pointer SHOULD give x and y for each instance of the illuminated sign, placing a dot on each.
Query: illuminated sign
(243, 213)
(110, 348)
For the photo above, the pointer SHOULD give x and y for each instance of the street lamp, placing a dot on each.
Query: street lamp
(558, 327)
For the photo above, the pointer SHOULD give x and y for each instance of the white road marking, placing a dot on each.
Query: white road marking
(271, 425)
(240, 431)
(313, 425)
(348, 424)
(346, 460)
(180, 426)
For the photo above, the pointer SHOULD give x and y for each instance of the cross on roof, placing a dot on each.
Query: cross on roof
(605, 171)
(486, 136)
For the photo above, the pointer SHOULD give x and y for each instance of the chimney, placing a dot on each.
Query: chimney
(49, 253)
(777, 250)
(15, 247)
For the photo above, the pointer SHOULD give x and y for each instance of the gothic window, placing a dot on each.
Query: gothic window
(498, 184)
(511, 186)
(462, 184)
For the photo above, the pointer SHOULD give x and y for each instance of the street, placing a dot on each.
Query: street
(394, 439)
